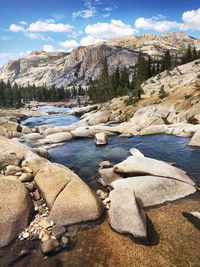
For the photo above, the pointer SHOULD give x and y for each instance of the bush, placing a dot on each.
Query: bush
(130, 101)
(162, 93)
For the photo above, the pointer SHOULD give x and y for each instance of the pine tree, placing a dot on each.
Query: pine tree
(166, 62)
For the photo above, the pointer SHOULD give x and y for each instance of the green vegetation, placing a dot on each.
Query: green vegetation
(162, 93)
(16, 96)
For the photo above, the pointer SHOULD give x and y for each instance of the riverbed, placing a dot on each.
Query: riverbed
(174, 241)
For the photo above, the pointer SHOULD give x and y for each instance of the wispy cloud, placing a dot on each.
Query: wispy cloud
(91, 8)
(38, 36)
(5, 38)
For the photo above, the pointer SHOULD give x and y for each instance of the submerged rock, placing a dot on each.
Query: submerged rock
(154, 190)
(15, 209)
(125, 216)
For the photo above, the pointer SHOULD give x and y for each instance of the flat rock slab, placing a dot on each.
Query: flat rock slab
(154, 190)
(124, 214)
(15, 208)
(57, 138)
(139, 165)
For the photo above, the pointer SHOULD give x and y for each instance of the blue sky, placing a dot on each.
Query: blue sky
(61, 25)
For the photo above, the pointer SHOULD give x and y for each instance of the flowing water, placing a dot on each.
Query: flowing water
(83, 156)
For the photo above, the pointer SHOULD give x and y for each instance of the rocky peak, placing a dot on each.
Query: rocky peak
(85, 62)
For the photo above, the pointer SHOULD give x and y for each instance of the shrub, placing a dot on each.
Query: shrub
(162, 92)
(130, 101)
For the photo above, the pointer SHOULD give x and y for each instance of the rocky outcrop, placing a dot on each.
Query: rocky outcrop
(68, 197)
(168, 81)
(16, 208)
(61, 69)
(125, 216)
(85, 63)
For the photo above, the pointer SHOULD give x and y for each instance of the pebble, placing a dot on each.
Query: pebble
(25, 235)
(104, 195)
(45, 237)
(24, 163)
(36, 195)
(58, 231)
(27, 170)
(44, 224)
(30, 186)
(65, 241)
(105, 164)
(106, 200)
(26, 177)
(99, 192)
(49, 246)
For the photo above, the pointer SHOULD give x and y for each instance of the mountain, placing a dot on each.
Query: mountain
(84, 63)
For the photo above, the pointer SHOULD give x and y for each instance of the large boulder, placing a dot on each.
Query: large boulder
(69, 198)
(195, 140)
(32, 137)
(139, 165)
(154, 190)
(15, 209)
(125, 216)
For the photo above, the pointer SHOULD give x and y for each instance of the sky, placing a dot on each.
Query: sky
(62, 25)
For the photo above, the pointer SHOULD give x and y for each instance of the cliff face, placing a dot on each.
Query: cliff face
(60, 69)
(85, 63)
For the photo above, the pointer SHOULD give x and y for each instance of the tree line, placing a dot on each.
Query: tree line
(16, 96)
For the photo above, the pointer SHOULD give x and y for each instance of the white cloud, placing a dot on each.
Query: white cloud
(42, 26)
(116, 28)
(48, 48)
(49, 26)
(16, 28)
(69, 45)
(37, 36)
(89, 40)
(157, 25)
(191, 19)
